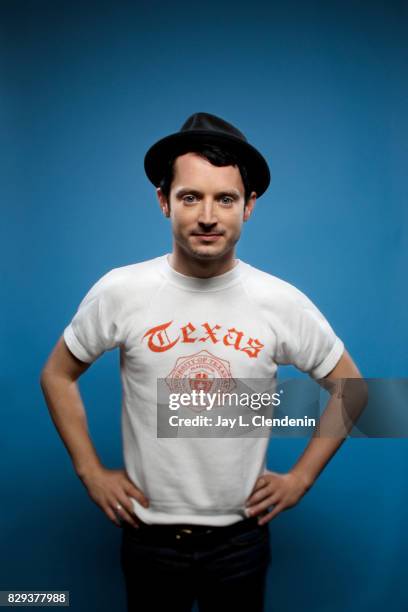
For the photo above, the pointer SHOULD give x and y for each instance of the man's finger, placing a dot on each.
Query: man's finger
(136, 493)
(260, 483)
(270, 515)
(112, 516)
(130, 519)
(259, 495)
(124, 513)
(256, 498)
(126, 503)
(260, 507)
(132, 489)
(259, 486)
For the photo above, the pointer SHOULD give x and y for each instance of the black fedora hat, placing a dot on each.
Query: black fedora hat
(208, 129)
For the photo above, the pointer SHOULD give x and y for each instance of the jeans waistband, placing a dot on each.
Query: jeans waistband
(186, 531)
(237, 527)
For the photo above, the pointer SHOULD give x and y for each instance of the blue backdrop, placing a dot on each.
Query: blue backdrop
(86, 88)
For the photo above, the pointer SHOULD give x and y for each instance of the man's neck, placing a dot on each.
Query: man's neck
(201, 268)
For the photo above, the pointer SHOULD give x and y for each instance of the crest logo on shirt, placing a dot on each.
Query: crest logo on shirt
(201, 382)
(164, 337)
(201, 371)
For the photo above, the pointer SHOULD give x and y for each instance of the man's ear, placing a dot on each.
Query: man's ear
(163, 202)
(249, 206)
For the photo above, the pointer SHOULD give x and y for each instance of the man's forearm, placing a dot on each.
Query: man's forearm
(343, 409)
(315, 457)
(68, 414)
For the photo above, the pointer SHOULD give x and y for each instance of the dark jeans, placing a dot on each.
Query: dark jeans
(167, 568)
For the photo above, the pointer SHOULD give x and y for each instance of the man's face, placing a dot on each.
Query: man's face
(206, 206)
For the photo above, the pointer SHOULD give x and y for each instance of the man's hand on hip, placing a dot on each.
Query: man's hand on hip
(281, 491)
(111, 490)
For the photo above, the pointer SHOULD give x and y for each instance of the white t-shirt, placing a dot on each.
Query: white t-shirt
(240, 324)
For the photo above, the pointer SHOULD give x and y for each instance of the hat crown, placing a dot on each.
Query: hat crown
(205, 129)
(211, 123)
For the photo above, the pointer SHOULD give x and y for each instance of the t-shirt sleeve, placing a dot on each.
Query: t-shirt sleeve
(307, 341)
(95, 327)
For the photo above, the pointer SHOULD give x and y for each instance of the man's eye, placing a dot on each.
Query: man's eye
(226, 201)
(189, 199)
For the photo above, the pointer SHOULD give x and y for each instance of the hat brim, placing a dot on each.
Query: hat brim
(156, 158)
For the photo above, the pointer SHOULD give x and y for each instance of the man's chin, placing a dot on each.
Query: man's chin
(206, 251)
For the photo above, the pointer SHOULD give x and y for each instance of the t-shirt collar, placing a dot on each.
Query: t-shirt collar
(193, 283)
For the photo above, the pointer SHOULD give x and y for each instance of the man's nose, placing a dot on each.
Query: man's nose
(207, 214)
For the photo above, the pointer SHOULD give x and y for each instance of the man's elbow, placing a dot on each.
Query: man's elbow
(46, 378)
(346, 381)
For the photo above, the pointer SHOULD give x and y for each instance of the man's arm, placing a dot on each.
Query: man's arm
(61, 392)
(320, 450)
(285, 490)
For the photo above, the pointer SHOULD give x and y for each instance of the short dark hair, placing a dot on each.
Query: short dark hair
(217, 156)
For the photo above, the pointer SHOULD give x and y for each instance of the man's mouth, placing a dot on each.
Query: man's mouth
(207, 236)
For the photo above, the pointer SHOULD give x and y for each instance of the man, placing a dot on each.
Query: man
(194, 511)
